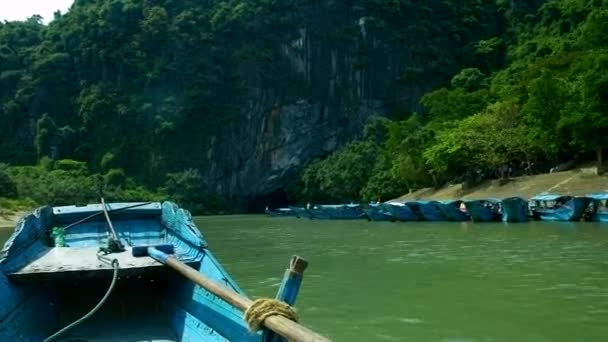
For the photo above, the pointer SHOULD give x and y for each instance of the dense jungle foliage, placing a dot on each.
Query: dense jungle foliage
(134, 89)
(538, 97)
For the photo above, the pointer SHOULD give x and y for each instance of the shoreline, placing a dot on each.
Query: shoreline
(576, 182)
(10, 220)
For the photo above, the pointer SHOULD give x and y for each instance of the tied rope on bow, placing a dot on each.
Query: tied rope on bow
(263, 308)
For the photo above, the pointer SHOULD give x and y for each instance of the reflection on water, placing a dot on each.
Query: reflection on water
(375, 281)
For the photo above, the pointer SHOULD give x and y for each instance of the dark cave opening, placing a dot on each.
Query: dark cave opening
(275, 199)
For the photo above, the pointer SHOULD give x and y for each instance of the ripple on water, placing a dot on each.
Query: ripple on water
(458, 339)
(269, 280)
(387, 337)
(408, 320)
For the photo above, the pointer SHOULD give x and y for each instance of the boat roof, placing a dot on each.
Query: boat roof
(599, 196)
(422, 201)
(514, 198)
(548, 197)
(352, 205)
(450, 201)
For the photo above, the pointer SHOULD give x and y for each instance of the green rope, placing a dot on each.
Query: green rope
(94, 310)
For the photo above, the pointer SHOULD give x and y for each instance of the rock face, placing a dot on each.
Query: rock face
(343, 85)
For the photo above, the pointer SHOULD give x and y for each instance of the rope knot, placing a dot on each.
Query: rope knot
(263, 308)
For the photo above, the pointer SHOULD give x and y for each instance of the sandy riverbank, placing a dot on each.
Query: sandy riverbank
(9, 220)
(580, 181)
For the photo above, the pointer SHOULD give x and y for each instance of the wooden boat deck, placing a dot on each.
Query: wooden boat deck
(66, 259)
(60, 262)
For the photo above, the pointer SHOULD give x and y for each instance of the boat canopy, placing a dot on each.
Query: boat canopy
(547, 197)
(484, 200)
(451, 202)
(338, 206)
(599, 196)
(423, 202)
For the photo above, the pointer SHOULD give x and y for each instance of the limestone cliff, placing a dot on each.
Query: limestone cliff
(281, 133)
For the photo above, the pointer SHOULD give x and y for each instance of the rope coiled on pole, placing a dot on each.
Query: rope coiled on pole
(263, 308)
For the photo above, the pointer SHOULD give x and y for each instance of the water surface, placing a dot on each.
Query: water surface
(370, 281)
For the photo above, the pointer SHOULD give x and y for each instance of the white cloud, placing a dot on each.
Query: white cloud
(23, 9)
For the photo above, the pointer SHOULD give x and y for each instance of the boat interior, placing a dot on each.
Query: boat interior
(149, 301)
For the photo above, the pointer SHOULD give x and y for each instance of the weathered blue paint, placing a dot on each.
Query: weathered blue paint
(514, 209)
(280, 212)
(599, 206)
(288, 293)
(32, 311)
(378, 212)
(400, 211)
(301, 212)
(427, 210)
(551, 207)
(451, 211)
(484, 210)
(337, 212)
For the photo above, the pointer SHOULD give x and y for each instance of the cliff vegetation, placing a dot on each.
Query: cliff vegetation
(215, 102)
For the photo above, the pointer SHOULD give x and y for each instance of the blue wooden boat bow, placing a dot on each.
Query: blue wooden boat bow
(48, 282)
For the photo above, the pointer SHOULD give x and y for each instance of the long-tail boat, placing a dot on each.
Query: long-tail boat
(400, 211)
(554, 207)
(131, 272)
(486, 210)
(427, 210)
(379, 212)
(514, 209)
(453, 210)
(280, 212)
(599, 206)
(337, 212)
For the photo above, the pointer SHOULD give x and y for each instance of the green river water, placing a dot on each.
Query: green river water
(376, 281)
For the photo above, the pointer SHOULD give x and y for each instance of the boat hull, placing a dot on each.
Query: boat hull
(426, 211)
(282, 212)
(451, 211)
(572, 210)
(156, 304)
(600, 217)
(301, 212)
(338, 212)
(483, 211)
(378, 212)
(514, 209)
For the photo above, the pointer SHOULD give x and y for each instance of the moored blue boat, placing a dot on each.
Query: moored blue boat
(337, 212)
(554, 207)
(452, 210)
(599, 206)
(301, 212)
(378, 212)
(400, 211)
(60, 261)
(426, 210)
(486, 210)
(280, 212)
(514, 209)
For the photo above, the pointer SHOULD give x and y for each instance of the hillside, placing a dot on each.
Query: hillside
(544, 105)
(580, 181)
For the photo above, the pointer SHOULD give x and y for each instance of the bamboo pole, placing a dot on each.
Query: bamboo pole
(289, 329)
